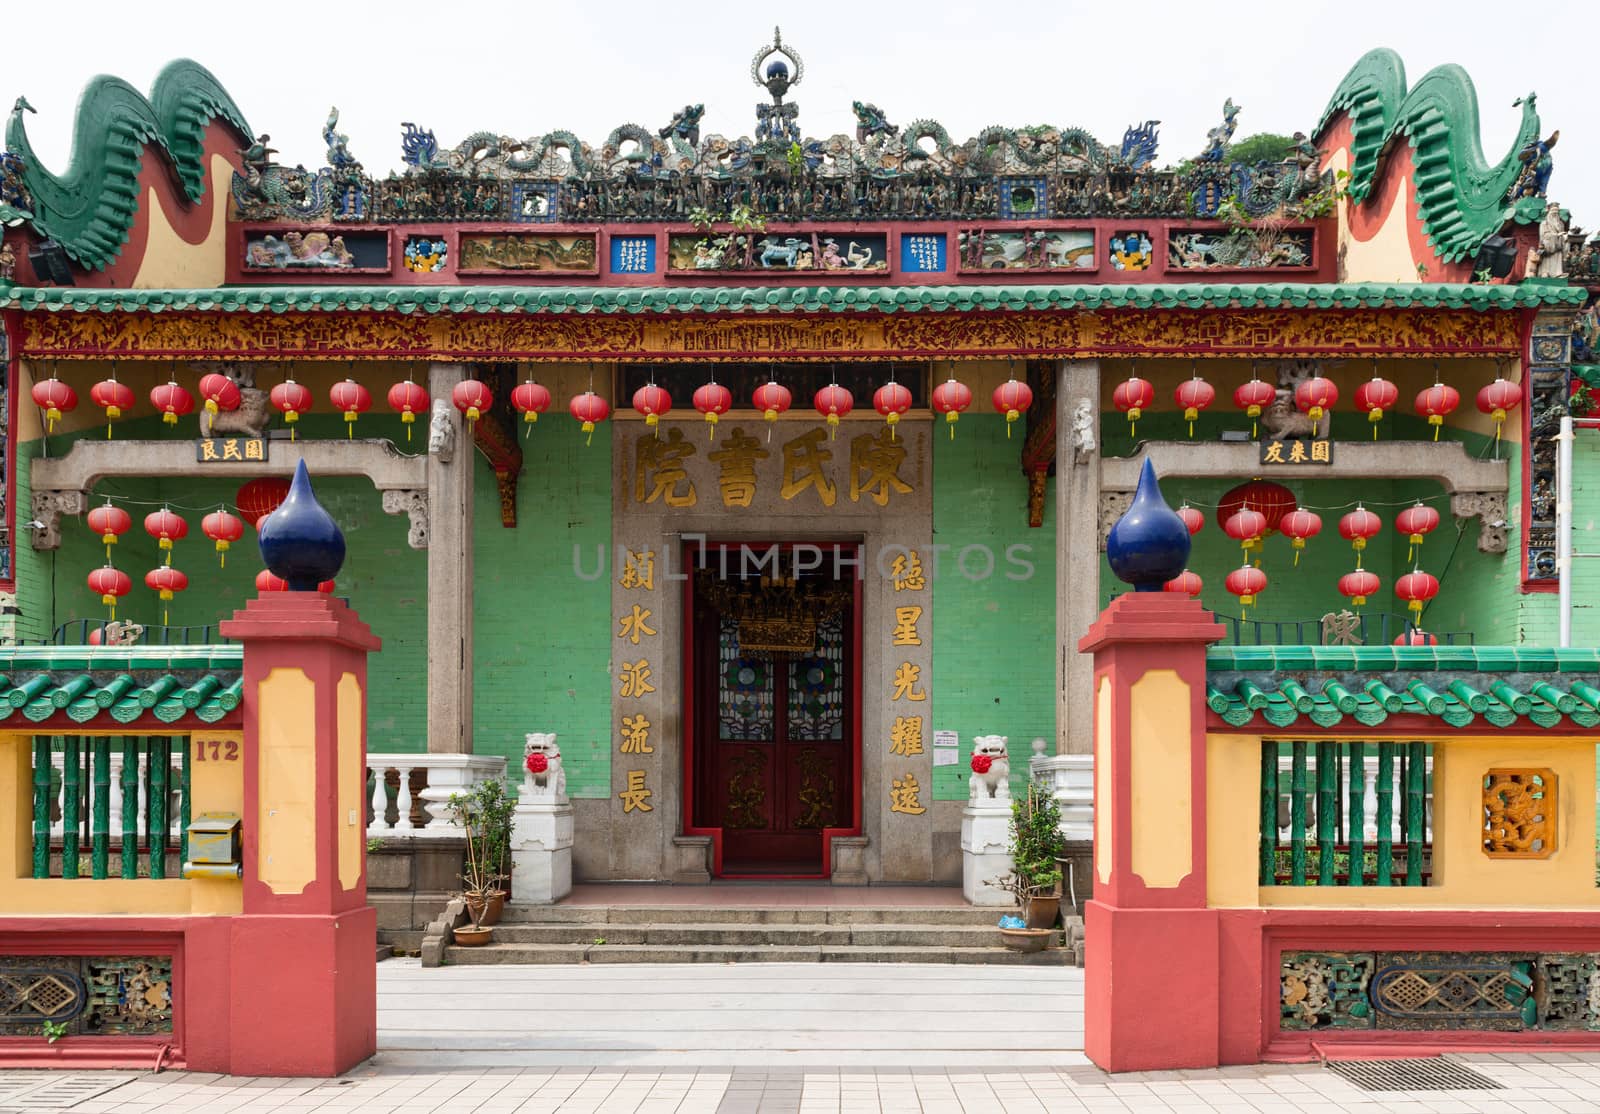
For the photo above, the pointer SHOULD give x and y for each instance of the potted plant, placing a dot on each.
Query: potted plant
(1035, 878)
(484, 813)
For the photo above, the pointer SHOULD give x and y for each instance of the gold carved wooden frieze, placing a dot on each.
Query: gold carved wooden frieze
(737, 336)
(1519, 813)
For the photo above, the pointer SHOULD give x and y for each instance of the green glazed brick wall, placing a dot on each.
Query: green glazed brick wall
(994, 639)
(541, 645)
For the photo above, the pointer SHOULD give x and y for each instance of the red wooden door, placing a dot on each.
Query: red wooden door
(773, 749)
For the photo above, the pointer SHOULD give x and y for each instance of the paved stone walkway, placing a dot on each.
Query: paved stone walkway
(755, 1039)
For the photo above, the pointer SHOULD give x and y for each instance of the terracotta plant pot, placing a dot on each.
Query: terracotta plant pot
(1041, 912)
(477, 905)
(1022, 939)
(497, 904)
(469, 937)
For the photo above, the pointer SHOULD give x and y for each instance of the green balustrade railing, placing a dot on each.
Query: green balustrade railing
(85, 809)
(1328, 815)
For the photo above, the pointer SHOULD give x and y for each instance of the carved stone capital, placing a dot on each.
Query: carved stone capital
(413, 503)
(1490, 507)
(48, 507)
(1113, 505)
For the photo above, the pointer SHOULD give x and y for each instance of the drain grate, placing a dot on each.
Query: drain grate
(1413, 1075)
(51, 1090)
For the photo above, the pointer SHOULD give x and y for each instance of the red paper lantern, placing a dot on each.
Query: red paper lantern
(166, 528)
(1194, 395)
(1132, 396)
(224, 529)
(1246, 527)
(653, 402)
(1298, 525)
(589, 409)
(1315, 397)
(111, 585)
(833, 402)
(1357, 526)
(1497, 399)
(530, 399)
(1357, 586)
(472, 398)
(1011, 398)
(110, 523)
(55, 398)
(1192, 518)
(1415, 522)
(891, 400)
(261, 497)
(172, 400)
(292, 400)
(1247, 582)
(114, 397)
(713, 400)
(1376, 396)
(951, 398)
(1416, 637)
(219, 392)
(1186, 582)
(537, 763)
(408, 399)
(1435, 402)
(982, 763)
(166, 581)
(1251, 397)
(1417, 588)
(771, 398)
(1273, 500)
(351, 399)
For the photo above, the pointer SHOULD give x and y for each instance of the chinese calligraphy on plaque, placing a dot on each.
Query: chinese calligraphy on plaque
(1297, 450)
(210, 449)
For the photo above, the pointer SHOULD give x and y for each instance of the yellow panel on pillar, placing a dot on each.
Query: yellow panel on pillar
(286, 849)
(1161, 774)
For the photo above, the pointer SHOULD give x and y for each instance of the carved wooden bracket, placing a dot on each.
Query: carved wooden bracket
(496, 435)
(1039, 444)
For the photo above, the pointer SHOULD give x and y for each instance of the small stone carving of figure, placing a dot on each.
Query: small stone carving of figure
(254, 412)
(257, 159)
(1217, 138)
(995, 783)
(550, 784)
(8, 262)
(1548, 260)
(1083, 443)
(1534, 178)
(441, 431)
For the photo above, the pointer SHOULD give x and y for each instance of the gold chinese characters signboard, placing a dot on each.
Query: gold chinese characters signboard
(223, 450)
(1293, 451)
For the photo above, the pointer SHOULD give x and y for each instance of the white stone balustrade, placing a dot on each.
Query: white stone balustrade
(1070, 780)
(446, 774)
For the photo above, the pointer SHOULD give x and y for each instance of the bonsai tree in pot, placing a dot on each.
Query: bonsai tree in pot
(1036, 847)
(484, 813)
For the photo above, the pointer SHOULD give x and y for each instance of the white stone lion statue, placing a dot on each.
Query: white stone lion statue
(549, 785)
(994, 783)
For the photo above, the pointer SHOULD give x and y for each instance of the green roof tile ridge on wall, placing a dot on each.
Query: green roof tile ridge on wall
(90, 208)
(1461, 197)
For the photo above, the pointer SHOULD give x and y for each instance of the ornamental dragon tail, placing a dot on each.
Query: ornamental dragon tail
(89, 209)
(1462, 198)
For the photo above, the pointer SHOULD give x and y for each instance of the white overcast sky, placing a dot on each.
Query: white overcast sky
(529, 68)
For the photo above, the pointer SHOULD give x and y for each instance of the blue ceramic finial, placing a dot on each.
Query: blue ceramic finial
(1149, 545)
(300, 542)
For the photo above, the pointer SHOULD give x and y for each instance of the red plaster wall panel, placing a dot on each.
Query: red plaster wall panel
(1145, 1007)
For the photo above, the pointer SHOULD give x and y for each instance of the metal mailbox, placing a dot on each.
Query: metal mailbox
(214, 850)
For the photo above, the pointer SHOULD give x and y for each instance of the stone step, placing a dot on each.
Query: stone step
(808, 935)
(502, 953)
(790, 915)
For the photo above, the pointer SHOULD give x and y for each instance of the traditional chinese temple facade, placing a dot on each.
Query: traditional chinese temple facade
(766, 642)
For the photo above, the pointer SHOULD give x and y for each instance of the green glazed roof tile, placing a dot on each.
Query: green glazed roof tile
(1282, 702)
(796, 299)
(122, 685)
(1403, 659)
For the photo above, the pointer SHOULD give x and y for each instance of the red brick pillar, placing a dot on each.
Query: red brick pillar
(1151, 998)
(303, 984)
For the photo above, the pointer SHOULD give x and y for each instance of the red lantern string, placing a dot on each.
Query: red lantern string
(292, 400)
(1012, 398)
(1416, 636)
(172, 401)
(166, 528)
(771, 398)
(1192, 518)
(1246, 582)
(110, 522)
(1357, 586)
(1415, 522)
(1376, 396)
(951, 398)
(653, 402)
(167, 582)
(1417, 588)
(111, 585)
(472, 398)
(55, 398)
(1194, 395)
(713, 400)
(1132, 397)
(353, 400)
(408, 399)
(224, 529)
(1298, 525)
(1357, 526)
(833, 402)
(1186, 582)
(589, 409)
(219, 392)
(114, 397)
(261, 497)
(1252, 396)
(1246, 526)
(891, 400)
(1435, 402)
(1315, 397)
(530, 399)
(1496, 400)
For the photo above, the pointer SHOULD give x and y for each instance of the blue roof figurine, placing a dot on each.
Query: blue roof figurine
(1149, 545)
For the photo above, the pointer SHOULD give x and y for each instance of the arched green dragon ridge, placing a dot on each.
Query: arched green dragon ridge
(1462, 197)
(90, 208)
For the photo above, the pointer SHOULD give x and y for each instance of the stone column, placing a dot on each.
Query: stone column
(1077, 586)
(451, 461)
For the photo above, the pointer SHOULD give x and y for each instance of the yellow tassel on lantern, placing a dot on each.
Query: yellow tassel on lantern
(1436, 420)
(1299, 544)
(222, 553)
(833, 427)
(711, 425)
(950, 420)
(211, 405)
(169, 418)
